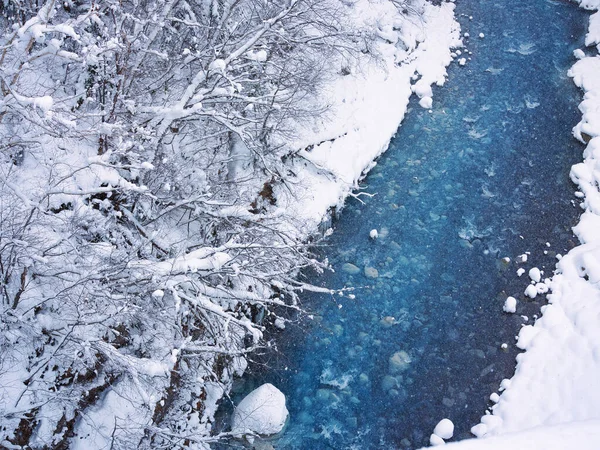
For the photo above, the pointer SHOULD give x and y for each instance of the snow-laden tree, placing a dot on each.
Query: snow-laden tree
(141, 246)
(140, 142)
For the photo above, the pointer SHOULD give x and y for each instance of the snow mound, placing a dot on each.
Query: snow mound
(444, 429)
(262, 412)
(435, 440)
(579, 436)
(510, 305)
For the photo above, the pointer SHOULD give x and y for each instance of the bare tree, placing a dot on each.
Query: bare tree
(141, 145)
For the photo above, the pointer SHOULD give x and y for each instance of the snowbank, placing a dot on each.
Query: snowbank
(578, 435)
(557, 379)
(367, 106)
(262, 412)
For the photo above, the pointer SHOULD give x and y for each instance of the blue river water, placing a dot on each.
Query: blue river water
(482, 176)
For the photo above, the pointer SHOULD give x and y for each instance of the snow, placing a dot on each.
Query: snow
(510, 305)
(258, 56)
(444, 429)
(110, 418)
(218, 65)
(367, 106)
(279, 323)
(531, 291)
(262, 412)
(426, 102)
(44, 103)
(577, 435)
(593, 35)
(557, 380)
(202, 259)
(535, 274)
(435, 440)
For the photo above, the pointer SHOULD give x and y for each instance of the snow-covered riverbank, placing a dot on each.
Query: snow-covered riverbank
(368, 104)
(557, 379)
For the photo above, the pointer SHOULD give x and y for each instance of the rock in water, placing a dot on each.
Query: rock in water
(371, 272)
(444, 429)
(510, 305)
(435, 440)
(399, 362)
(350, 268)
(262, 412)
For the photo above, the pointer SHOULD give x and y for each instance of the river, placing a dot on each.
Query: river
(480, 177)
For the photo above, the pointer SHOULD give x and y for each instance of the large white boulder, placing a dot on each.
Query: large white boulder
(262, 412)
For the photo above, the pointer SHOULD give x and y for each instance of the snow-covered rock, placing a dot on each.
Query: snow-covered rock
(531, 291)
(444, 429)
(510, 305)
(535, 274)
(262, 411)
(435, 440)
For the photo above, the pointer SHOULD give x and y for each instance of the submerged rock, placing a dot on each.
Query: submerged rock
(444, 429)
(389, 382)
(399, 362)
(261, 412)
(371, 272)
(388, 321)
(350, 269)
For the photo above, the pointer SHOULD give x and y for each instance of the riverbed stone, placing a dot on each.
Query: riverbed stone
(371, 272)
(399, 362)
(448, 402)
(387, 321)
(350, 269)
(388, 382)
(322, 395)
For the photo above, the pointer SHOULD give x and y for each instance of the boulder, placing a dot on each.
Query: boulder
(261, 412)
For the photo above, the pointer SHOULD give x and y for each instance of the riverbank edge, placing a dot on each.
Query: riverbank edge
(557, 378)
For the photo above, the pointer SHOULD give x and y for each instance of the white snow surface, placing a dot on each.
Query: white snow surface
(557, 380)
(576, 435)
(262, 412)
